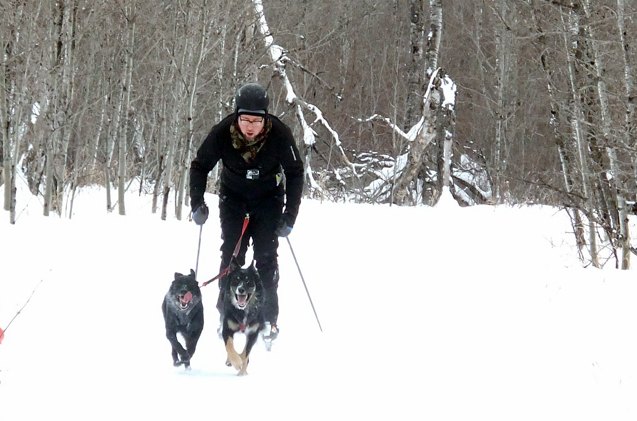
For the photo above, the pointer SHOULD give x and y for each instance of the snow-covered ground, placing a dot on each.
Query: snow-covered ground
(441, 313)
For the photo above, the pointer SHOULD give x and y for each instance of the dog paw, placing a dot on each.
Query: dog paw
(236, 361)
(244, 369)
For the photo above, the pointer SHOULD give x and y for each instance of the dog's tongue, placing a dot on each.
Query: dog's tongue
(187, 297)
(241, 299)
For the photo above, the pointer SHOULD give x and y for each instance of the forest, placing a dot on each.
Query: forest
(500, 102)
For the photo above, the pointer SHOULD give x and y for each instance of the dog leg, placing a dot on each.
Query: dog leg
(185, 360)
(191, 345)
(177, 349)
(251, 338)
(245, 359)
(234, 358)
(244, 366)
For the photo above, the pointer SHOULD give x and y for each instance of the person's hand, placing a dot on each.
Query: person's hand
(284, 228)
(200, 214)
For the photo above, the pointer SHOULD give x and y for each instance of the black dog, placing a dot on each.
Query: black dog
(183, 313)
(242, 311)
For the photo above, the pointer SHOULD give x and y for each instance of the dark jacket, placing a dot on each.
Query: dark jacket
(250, 182)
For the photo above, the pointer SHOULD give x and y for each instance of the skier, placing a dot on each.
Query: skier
(262, 176)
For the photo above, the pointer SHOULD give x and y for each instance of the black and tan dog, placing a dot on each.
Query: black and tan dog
(183, 314)
(242, 311)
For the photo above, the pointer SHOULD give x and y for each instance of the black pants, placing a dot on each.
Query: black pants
(264, 217)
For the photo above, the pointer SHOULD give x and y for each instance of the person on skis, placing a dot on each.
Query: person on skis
(262, 176)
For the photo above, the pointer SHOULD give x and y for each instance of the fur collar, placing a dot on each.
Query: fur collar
(249, 149)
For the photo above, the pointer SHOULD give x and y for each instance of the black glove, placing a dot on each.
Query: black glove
(200, 214)
(284, 228)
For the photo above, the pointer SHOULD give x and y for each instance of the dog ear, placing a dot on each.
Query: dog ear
(178, 275)
(253, 267)
(192, 273)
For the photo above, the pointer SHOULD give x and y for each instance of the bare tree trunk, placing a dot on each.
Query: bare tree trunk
(16, 97)
(6, 104)
(610, 180)
(565, 152)
(60, 98)
(426, 130)
(434, 38)
(173, 139)
(115, 132)
(416, 64)
(425, 135)
(447, 121)
(185, 51)
(503, 71)
(157, 187)
(54, 115)
(572, 47)
(629, 125)
(168, 175)
(94, 143)
(127, 87)
(162, 147)
(67, 86)
(198, 57)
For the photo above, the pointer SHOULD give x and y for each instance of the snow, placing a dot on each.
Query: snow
(443, 313)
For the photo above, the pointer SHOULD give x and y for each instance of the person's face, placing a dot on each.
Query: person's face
(250, 126)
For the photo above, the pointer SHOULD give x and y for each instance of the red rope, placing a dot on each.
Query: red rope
(235, 253)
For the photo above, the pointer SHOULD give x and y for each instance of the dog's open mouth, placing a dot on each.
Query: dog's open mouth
(242, 300)
(185, 299)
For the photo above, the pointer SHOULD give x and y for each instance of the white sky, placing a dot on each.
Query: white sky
(441, 313)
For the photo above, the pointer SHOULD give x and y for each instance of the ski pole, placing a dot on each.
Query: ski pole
(304, 284)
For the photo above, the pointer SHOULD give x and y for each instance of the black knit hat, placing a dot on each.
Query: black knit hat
(252, 99)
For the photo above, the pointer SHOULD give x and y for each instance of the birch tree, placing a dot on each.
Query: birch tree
(280, 60)
(60, 96)
(417, 9)
(573, 47)
(628, 131)
(503, 66)
(557, 118)
(130, 18)
(197, 44)
(7, 103)
(426, 130)
(610, 202)
(21, 93)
